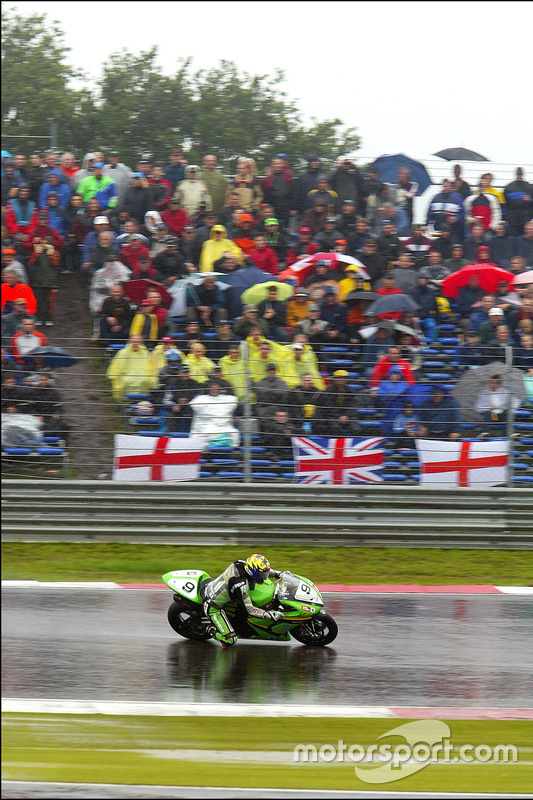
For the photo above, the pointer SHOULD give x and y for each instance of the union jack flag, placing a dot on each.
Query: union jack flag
(337, 461)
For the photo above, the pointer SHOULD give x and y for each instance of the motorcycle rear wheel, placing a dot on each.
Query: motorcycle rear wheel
(187, 623)
(316, 632)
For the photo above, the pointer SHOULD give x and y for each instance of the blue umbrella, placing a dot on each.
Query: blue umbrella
(237, 281)
(54, 356)
(388, 166)
(391, 302)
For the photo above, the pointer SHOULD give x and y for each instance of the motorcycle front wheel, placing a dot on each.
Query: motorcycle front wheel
(187, 622)
(318, 631)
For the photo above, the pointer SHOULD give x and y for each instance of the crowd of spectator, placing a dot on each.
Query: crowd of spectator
(166, 250)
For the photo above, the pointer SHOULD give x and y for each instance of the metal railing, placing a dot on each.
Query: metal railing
(221, 514)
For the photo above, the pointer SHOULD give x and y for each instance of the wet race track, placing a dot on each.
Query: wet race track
(400, 650)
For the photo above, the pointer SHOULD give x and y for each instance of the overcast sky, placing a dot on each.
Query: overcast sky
(411, 77)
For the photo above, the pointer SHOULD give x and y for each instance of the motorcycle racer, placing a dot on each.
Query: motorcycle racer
(233, 585)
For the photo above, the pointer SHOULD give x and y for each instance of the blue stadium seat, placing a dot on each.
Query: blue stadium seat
(132, 397)
(524, 426)
(177, 435)
(523, 478)
(329, 348)
(261, 462)
(397, 477)
(523, 414)
(367, 412)
(205, 474)
(447, 327)
(448, 340)
(52, 439)
(230, 474)
(146, 433)
(288, 475)
(17, 451)
(438, 377)
(50, 451)
(155, 421)
(286, 463)
(264, 476)
(433, 364)
(225, 462)
(341, 363)
(429, 351)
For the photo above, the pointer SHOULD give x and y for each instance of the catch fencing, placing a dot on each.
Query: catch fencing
(222, 514)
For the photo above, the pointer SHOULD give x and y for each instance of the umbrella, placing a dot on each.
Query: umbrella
(259, 292)
(353, 297)
(136, 291)
(304, 266)
(460, 154)
(236, 282)
(388, 166)
(523, 278)
(389, 325)
(391, 302)
(467, 390)
(53, 356)
(488, 276)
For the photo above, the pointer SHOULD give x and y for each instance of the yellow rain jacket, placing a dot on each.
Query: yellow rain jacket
(234, 372)
(212, 250)
(131, 371)
(200, 368)
(308, 364)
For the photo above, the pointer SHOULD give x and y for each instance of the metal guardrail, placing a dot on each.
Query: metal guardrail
(253, 515)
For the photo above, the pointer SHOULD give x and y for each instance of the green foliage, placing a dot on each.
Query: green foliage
(35, 79)
(136, 108)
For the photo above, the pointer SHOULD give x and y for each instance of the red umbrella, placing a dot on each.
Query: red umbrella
(136, 291)
(304, 266)
(488, 275)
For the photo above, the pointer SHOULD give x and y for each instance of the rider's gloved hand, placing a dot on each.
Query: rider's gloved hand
(275, 615)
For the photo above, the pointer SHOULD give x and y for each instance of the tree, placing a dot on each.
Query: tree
(35, 79)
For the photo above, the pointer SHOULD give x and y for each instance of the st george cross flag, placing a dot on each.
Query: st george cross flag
(156, 458)
(337, 461)
(470, 463)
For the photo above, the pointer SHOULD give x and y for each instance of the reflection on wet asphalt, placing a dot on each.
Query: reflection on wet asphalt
(401, 650)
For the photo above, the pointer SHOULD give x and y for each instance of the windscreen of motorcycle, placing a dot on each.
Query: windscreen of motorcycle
(303, 591)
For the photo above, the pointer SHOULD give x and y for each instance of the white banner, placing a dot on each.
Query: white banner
(156, 458)
(458, 463)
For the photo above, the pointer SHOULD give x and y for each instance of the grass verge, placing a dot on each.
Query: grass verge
(137, 563)
(146, 750)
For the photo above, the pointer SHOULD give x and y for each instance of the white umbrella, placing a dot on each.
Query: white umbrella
(523, 278)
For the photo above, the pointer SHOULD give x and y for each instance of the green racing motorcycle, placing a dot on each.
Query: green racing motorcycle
(304, 617)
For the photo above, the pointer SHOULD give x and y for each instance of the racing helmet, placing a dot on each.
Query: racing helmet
(257, 567)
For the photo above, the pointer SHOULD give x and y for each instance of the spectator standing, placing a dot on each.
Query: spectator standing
(115, 317)
(482, 206)
(407, 191)
(12, 290)
(118, 172)
(174, 217)
(175, 170)
(519, 202)
(524, 244)
(458, 184)
(446, 208)
(348, 183)
(213, 416)
(20, 212)
(246, 185)
(43, 265)
(306, 182)
(100, 186)
(216, 183)
(136, 200)
(279, 191)
(192, 192)
(161, 189)
(216, 246)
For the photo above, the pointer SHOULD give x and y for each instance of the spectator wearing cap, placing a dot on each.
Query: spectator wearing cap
(325, 239)
(315, 216)
(335, 314)
(174, 217)
(55, 182)
(12, 322)
(439, 416)
(347, 219)
(216, 183)
(169, 262)
(348, 182)
(274, 312)
(225, 386)
(320, 278)
(301, 360)
(175, 169)
(136, 200)
(100, 225)
(275, 239)
(145, 323)
(487, 330)
(192, 191)
(216, 246)
(304, 402)
(249, 320)
(158, 239)
(303, 247)
(244, 239)
(163, 353)
(375, 265)
(351, 281)
(40, 229)
(339, 406)
(161, 188)
(519, 202)
(389, 244)
(20, 212)
(298, 309)
(119, 173)
(325, 193)
(247, 186)
(190, 247)
(205, 303)
(269, 388)
(217, 345)
(306, 182)
(314, 328)
(85, 170)
(10, 261)
(131, 369)
(100, 186)
(279, 191)
(204, 223)
(115, 316)
(262, 256)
